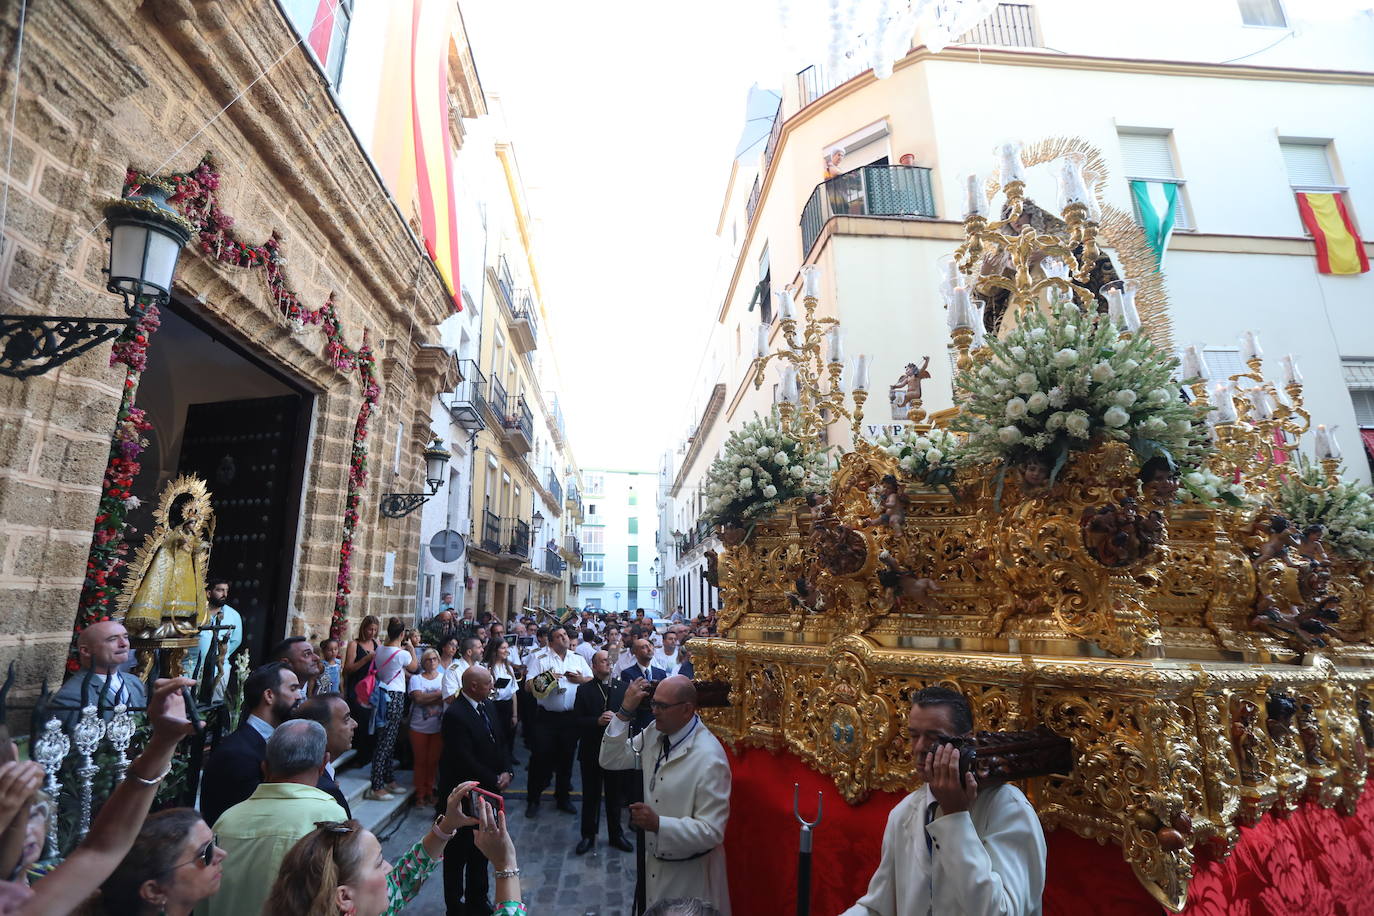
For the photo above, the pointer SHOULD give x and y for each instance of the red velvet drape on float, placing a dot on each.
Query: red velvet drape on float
(1315, 862)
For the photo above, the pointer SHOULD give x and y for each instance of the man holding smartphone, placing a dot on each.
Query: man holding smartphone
(948, 848)
(474, 748)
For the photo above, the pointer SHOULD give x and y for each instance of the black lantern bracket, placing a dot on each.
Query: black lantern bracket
(399, 505)
(150, 236)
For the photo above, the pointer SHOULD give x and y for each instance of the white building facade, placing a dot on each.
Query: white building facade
(621, 568)
(1237, 103)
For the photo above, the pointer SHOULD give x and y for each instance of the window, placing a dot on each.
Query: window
(596, 484)
(1359, 378)
(632, 552)
(324, 25)
(1147, 155)
(634, 497)
(1267, 13)
(632, 599)
(593, 539)
(593, 571)
(591, 509)
(763, 293)
(1309, 164)
(634, 526)
(634, 569)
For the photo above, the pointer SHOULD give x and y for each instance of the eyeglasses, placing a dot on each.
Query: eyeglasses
(656, 705)
(205, 856)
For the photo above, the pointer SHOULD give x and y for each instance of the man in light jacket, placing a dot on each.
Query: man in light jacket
(686, 781)
(948, 848)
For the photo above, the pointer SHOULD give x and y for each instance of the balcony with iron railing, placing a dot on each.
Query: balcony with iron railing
(517, 422)
(572, 550)
(517, 541)
(1010, 25)
(469, 399)
(552, 563)
(900, 191)
(498, 403)
(554, 487)
(491, 531)
(524, 326)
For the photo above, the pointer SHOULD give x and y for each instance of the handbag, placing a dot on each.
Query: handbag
(367, 684)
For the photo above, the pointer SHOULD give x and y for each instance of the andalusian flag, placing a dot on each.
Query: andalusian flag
(1157, 204)
(1339, 249)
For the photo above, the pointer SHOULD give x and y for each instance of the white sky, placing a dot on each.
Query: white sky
(624, 115)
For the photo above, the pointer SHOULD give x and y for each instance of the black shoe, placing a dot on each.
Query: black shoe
(583, 845)
(621, 843)
(532, 809)
(566, 807)
(486, 908)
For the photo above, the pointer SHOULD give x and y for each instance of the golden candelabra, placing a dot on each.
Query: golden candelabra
(820, 394)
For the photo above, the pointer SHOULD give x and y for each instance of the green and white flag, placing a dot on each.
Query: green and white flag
(1157, 204)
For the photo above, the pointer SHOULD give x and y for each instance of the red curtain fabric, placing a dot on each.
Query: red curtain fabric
(1367, 437)
(1314, 862)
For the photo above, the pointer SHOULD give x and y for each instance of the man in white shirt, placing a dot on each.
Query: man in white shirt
(686, 783)
(554, 741)
(949, 849)
(586, 647)
(469, 654)
(668, 658)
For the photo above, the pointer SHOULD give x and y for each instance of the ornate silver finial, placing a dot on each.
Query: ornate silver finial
(87, 734)
(120, 732)
(48, 752)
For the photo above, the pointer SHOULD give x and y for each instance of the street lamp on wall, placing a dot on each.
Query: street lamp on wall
(399, 505)
(146, 238)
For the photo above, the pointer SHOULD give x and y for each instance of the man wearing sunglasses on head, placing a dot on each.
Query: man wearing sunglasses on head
(686, 782)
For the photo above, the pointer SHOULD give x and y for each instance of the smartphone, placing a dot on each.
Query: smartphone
(502, 683)
(497, 802)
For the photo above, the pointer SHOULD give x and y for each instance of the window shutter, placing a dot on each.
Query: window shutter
(1308, 164)
(1222, 363)
(1364, 408)
(1147, 155)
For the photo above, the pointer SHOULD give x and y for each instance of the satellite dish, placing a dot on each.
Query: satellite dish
(447, 546)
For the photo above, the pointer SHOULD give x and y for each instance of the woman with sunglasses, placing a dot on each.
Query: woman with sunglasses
(339, 869)
(173, 865)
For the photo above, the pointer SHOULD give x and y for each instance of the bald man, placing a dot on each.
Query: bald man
(686, 792)
(474, 748)
(103, 648)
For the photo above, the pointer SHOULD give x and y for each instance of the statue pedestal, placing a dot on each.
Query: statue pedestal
(170, 650)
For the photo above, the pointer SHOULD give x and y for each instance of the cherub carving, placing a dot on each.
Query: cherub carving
(1310, 545)
(1279, 721)
(1280, 540)
(1245, 735)
(905, 585)
(1119, 535)
(1159, 481)
(905, 393)
(892, 503)
(1309, 732)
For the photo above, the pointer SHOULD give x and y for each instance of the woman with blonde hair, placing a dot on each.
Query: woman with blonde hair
(338, 868)
(426, 714)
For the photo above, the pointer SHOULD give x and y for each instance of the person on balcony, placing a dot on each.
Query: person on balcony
(948, 848)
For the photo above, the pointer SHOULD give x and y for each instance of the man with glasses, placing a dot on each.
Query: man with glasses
(257, 833)
(686, 783)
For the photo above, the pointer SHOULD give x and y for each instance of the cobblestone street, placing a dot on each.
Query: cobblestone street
(554, 880)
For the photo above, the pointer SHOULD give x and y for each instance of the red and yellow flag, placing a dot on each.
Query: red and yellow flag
(411, 143)
(1339, 249)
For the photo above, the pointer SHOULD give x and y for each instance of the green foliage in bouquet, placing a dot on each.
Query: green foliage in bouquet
(1061, 381)
(1347, 509)
(760, 467)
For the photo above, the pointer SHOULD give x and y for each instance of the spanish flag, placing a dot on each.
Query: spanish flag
(411, 143)
(1339, 249)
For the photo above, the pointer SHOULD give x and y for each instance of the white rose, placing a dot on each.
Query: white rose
(894, 449)
(1010, 435)
(907, 464)
(1016, 409)
(746, 485)
(1154, 426)
(1116, 417)
(1194, 479)
(798, 471)
(1078, 424)
(750, 442)
(1125, 397)
(1210, 491)
(1025, 382)
(764, 477)
(1181, 427)
(934, 455)
(1036, 333)
(1058, 398)
(1130, 365)
(921, 443)
(1037, 402)
(1160, 396)
(745, 472)
(781, 459)
(763, 451)
(1066, 357)
(1056, 420)
(1101, 371)
(1018, 352)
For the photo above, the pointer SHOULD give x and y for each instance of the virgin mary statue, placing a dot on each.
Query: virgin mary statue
(165, 592)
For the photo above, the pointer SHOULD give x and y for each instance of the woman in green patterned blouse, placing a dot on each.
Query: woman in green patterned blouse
(339, 869)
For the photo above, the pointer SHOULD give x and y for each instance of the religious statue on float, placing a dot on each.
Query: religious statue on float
(164, 597)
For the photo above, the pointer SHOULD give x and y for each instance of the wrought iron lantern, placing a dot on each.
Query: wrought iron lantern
(146, 238)
(399, 505)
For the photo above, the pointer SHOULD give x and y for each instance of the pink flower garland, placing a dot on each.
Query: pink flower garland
(193, 193)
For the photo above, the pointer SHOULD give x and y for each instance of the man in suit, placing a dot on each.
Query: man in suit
(474, 748)
(596, 702)
(331, 710)
(234, 769)
(645, 668)
(103, 649)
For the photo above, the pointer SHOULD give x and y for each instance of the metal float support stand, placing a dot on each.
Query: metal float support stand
(636, 792)
(804, 849)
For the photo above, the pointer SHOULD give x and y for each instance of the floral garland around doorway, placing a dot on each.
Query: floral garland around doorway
(193, 193)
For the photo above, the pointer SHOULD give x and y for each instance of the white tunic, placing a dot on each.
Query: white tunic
(989, 861)
(691, 795)
(565, 691)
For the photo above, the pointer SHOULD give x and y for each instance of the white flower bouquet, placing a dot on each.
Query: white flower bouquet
(759, 468)
(1064, 380)
(1200, 486)
(1347, 509)
(928, 456)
